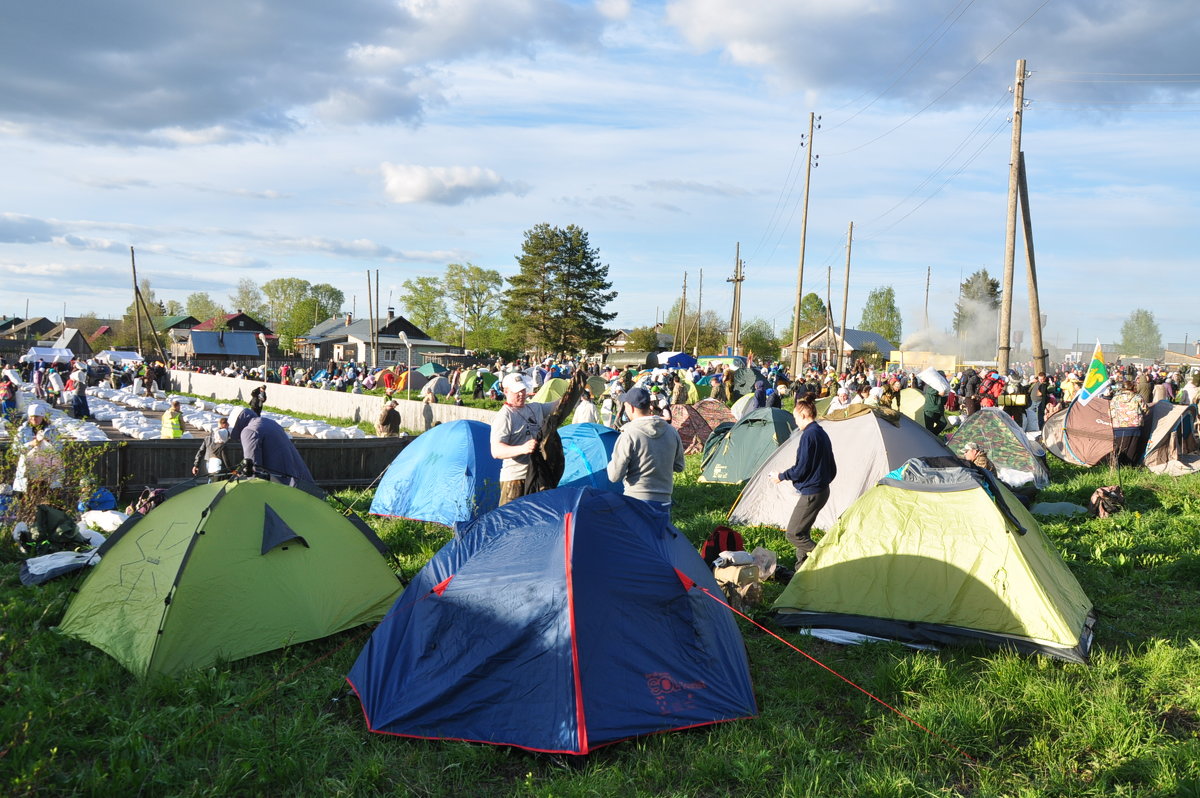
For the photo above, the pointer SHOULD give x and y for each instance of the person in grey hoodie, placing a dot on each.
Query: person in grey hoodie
(648, 452)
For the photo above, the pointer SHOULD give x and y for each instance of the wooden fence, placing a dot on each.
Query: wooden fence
(129, 466)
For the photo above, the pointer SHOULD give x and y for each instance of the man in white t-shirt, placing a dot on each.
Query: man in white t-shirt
(514, 434)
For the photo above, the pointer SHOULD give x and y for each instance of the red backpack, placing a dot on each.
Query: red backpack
(722, 539)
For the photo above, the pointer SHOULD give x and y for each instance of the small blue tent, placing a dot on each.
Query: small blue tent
(445, 475)
(560, 622)
(587, 448)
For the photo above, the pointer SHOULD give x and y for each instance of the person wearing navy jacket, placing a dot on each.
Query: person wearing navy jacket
(812, 474)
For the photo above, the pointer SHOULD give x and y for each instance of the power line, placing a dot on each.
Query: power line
(952, 86)
(915, 61)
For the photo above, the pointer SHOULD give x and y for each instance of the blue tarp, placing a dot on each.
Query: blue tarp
(446, 475)
(560, 622)
(587, 448)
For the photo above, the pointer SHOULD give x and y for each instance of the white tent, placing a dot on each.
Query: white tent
(115, 357)
(868, 442)
(47, 353)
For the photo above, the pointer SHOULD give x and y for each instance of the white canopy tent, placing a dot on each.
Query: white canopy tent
(48, 354)
(114, 357)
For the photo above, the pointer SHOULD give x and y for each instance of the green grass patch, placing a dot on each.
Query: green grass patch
(72, 722)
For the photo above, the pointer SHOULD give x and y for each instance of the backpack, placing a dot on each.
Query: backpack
(1106, 501)
(147, 501)
(722, 539)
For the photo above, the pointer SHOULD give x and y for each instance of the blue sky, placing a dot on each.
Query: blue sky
(235, 140)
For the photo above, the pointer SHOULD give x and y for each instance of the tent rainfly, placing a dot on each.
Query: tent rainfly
(940, 553)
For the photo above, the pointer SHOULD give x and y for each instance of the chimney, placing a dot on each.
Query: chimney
(349, 318)
(391, 315)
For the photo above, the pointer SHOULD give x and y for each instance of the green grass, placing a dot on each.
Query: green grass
(73, 722)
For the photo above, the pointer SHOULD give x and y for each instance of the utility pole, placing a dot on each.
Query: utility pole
(136, 315)
(735, 318)
(375, 328)
(828, 316)
(845, 295)
(1035, 311)
(928, 273)
(699, 315)
(370, 312)
(680, 333)
(810, 162)
(1010, 241)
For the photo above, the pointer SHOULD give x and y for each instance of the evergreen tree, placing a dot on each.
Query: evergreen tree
(560, 295)
(881, 316)
(1140, 336)
(976, 315)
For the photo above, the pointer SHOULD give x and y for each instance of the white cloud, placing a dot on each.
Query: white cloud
(444, 185)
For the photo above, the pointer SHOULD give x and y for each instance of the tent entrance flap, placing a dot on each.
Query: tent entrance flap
(276, 532)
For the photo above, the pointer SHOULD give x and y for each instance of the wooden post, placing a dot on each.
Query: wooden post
(845, 294)
(1035, 313)
(795, 364)
(1010, 240)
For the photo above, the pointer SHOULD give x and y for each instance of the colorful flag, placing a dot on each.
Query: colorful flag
(1097, 378)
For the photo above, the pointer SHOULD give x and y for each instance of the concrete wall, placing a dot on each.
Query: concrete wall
(414, 415)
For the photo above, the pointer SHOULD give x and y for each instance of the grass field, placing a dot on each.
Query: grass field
(73, 722)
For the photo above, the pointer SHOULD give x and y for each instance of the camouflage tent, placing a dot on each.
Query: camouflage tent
(1020, 462)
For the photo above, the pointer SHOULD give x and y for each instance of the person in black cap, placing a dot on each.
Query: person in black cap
(647, 452)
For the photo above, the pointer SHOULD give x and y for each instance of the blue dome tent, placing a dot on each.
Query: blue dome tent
(587, 448)
(560, 622)
(445, 476)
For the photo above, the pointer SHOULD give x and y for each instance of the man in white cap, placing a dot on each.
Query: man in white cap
(40, 469)
(211, 456)
(514, 435)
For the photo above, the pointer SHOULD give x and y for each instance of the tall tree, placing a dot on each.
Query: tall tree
(248, 299)
(202, 307)
(977, 295)
(473, 298)
(127, 335)
(330, 300)
(881, 316)
(759, 338)
(281, 295)
(813, 317)
(173, 308)
(1140, 336)
(561, 294)
(642, 339)
(424, 303)
(976, 315)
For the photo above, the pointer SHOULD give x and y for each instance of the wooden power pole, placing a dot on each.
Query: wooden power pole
(1010, 242)
(137, 316)
(735, 317)
(845, 295)
(1035, 312)
(795, 363)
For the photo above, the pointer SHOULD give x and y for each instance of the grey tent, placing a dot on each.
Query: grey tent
(868, 442)
(1171, 445)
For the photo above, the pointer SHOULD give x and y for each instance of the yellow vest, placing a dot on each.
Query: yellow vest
(172, 427)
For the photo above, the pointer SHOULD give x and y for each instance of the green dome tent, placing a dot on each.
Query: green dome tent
(939, 553)
(226, 570)
(733, 452)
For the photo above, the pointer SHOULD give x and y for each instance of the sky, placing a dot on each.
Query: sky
(230, 140)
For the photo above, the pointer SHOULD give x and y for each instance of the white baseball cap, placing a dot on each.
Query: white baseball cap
(515, 382)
